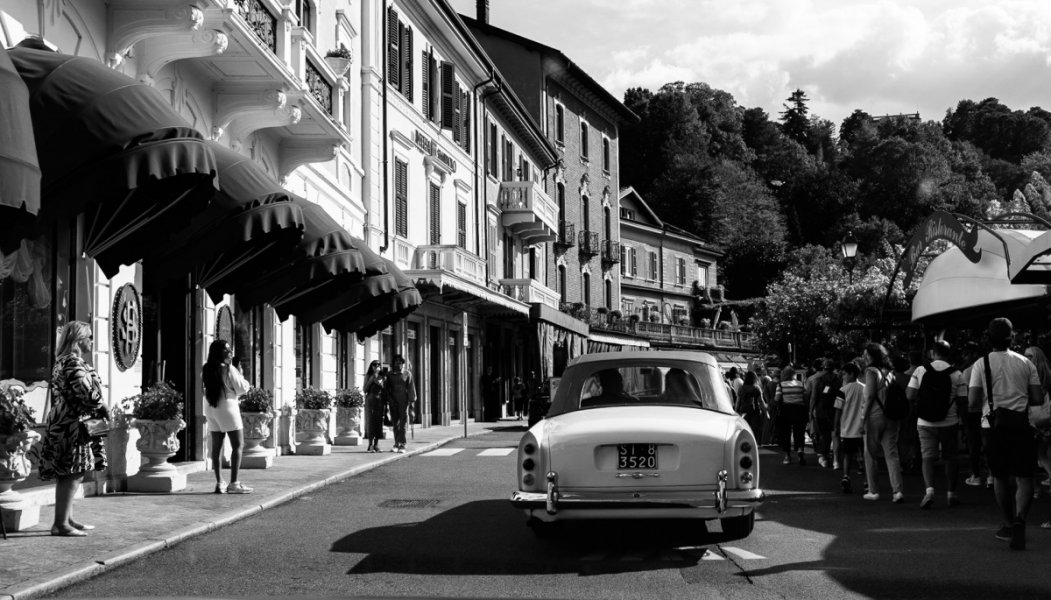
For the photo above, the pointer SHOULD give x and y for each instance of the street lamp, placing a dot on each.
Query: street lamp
(849, 248)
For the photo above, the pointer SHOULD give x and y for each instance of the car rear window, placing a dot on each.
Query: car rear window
(693, 385)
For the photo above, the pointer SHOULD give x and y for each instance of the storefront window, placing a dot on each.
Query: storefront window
(304, 354)
(26, 312)
(248, 343)
(387, 347)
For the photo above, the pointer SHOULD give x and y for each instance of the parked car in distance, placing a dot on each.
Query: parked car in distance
(640, 435)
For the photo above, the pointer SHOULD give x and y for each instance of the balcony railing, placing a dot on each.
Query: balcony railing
(567, 235)
(319, 87)
(452, 259)
(260, 20)
(587, 243)
(610, 251)
(529, 290)
(683, 334)
(528, 211)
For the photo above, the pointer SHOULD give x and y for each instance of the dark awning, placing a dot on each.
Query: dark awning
(251, 226)
(328, 258)
(113, 149)
(366, 321)
(19, 171)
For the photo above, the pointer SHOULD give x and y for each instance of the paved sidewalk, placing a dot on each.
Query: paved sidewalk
(129, 526)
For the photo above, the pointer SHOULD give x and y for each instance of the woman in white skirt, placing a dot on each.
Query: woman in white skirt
(223, 383)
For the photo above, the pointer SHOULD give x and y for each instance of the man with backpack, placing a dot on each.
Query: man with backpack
(823, 389)
(939, 393)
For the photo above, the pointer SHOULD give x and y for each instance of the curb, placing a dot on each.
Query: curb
(77, 573)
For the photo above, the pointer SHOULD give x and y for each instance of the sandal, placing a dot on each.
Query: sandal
(71, 532)
(80, 526)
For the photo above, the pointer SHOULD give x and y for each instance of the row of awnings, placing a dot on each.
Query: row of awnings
(82, 139)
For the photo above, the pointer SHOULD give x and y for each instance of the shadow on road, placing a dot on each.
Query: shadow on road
(488, 537)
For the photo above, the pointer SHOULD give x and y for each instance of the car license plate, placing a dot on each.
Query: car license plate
(637, 456)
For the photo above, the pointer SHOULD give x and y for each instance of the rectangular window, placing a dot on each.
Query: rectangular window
(523, 174)
(401, 198)
(425, 83)
(491, 241)
(583, 139)
(605, 154)
(634, 264)
(436, 215)
(623, 259)
(406, 62)
(465, 121)
(653, 265)
(304, 351)
(461, 224)
(448, 85)
(680, 271)
(393, 48)
(560, 124)
(702, 276)
(509, 159)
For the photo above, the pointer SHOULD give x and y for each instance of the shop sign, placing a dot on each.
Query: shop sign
(940, 226)
(224, 325)
(411, 333)
(126, 323)
(429, 147)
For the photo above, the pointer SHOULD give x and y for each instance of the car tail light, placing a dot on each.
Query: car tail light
(746, 461)
(528, 457)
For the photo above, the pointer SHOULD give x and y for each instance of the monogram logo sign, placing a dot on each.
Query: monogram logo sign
(126, 322)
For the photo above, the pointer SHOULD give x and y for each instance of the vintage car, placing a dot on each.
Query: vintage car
(640, 435)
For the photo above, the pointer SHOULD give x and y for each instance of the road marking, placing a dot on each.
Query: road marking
(739, 553)
(444, 452)
(709, 555)
(496, 452)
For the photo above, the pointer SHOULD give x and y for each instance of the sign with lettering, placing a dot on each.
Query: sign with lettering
(126, 324)
(224, 325)
(430, 147)
(940, 226)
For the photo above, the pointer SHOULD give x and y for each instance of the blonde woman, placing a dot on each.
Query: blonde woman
(68, 452)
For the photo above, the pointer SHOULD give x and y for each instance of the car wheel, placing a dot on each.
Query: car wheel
(738, 527)
(543, 530)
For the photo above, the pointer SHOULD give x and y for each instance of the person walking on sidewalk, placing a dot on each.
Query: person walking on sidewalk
(518, 397)
(223, 383)
(823, 391)
(1006, 384)
(373, 406)
(881, 431)
(68, 451)
(849, 422)
(792, 415)
(939, 394)
(399, 393)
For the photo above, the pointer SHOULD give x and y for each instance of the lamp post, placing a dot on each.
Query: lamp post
(849, 248)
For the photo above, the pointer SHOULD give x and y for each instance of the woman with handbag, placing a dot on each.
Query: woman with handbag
(223, 383)
(374, 409)
(70, 450)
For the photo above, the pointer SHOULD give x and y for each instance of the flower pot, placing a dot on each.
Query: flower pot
(338, 64)
(17, 513)
(256, 433)
(312, 431)
(348, 426)
(157, 443)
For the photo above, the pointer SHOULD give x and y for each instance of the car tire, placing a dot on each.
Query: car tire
(736, 528)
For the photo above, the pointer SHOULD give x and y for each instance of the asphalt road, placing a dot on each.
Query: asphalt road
(440, 525)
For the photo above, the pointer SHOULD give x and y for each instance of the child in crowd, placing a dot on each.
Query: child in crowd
(849, 421)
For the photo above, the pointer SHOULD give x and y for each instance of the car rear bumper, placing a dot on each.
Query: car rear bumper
(635, 504)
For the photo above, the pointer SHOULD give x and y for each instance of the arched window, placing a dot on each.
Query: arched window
(586, 284)
(585, 214)
(609, 293)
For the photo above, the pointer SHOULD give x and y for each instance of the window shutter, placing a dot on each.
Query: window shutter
(461, 224)
(457, 121)
(406, 55)
(448, 89)
(436, 215)
(465, 120)
(490, 148)
(623, 261)
(401, 201)
(425, 80)
(436, 95)
(393, 45)
(634, 264)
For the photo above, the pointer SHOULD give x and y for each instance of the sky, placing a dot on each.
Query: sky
(883, 56)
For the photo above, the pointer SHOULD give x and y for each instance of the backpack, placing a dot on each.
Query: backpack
(935, 394)
(895, 405)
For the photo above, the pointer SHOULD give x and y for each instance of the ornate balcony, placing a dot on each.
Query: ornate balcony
(528, 211)
(529, 290)
(260, 20)
(452, 259)
(696, 336)
(587, 243)
(610, 252)
(567, 235)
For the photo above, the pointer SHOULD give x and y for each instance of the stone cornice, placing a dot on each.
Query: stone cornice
(132, 21)
(156, 52)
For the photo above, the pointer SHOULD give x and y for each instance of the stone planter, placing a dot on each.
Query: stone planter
(312, 431)
(256, 433)
(338, 64)
(17, 513)
(157, 443)
(348, 426)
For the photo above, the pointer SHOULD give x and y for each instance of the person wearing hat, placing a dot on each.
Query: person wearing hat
(1005, 384)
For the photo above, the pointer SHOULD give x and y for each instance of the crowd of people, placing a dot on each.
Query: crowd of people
(908, 411)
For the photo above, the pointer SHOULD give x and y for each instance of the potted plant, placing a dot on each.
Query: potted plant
(157, 414)
(339, 59)
(616, 314)
(16, 440)
(257, 412)
(314, 411)
(349, 402)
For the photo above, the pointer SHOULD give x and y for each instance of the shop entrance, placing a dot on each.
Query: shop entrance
(168, 309)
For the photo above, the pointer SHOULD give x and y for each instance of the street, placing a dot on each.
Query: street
(439, 525)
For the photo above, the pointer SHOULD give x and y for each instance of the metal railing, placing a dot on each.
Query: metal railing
(453, 259)
(610, 251)
(529, 290)
(587, 243)
(319, 87)
(262, 23)
(567, 235)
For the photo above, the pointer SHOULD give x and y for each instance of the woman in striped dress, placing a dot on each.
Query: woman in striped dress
(792, 415)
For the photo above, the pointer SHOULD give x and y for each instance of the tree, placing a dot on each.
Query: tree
(794, 120)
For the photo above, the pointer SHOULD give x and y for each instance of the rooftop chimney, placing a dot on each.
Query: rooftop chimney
(483, 10)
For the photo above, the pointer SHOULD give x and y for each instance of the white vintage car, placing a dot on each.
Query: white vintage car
(640, 435)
